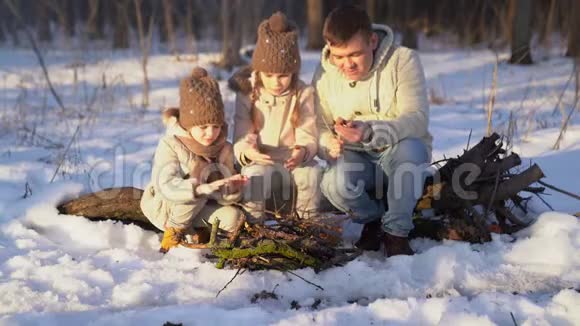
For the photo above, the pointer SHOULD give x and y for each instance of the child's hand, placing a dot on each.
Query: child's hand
(254, 155)
(206, 189)
(296, 158)
(234, 184)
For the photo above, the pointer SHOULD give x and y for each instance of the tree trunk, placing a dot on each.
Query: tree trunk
(145, 45)
(42, 22)
(574, 31)
(93, 31)
(371, 8)
(409, 33)
(69, 8)
(521, 25)
(169, 25)
(231, 34)
(315, 13)
(121, 25)
(188, 26)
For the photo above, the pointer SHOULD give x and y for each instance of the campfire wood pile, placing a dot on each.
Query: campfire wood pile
(464, 193)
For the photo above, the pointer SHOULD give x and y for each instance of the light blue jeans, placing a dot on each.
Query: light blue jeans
(356, 184)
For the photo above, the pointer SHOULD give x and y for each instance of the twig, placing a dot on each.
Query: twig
(20, 21)
(469, 139)
(576, 99)
(547, 185)
(236, 232)
(513, 318)
(564, 127)
(562, 94)
(305, 280)
(491, 102)
(544, 201)
(65, 152)
(494, 192)
(230, 281)
(214, 230)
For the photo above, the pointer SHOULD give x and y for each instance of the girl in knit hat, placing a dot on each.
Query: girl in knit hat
(192, 180)
(275, 124)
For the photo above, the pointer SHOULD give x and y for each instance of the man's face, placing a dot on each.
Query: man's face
(355, 57)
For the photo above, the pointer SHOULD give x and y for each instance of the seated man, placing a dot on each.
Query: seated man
(373, 114)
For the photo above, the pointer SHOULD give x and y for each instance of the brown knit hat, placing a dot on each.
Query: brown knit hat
(277, 46)
(200, 100)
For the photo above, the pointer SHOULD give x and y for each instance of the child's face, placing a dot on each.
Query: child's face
(276, 84)
(205, 134)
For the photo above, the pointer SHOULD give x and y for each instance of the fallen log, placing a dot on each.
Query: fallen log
(119, 204)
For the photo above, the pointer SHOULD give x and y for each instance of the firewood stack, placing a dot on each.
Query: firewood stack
(467, 190)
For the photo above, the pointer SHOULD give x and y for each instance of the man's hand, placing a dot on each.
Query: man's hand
(296, 158)
(335, 148)
(351, 131)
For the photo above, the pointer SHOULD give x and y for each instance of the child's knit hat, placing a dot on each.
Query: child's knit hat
(277, 46)
(200, 100)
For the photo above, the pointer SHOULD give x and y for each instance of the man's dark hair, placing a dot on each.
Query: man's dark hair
(344, 22)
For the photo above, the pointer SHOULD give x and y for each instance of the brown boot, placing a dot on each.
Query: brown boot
(199, 235)
(172, 237)
(370, 236)
(396, 245)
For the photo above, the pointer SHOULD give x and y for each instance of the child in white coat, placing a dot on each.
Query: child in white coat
(275, 122)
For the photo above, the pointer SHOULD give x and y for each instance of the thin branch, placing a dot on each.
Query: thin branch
(513, 318)
(20, 21)
(544, 201)
(491, 102)
(562, 191)
(562, 94)
(230, 281)
(65, 152)
(305, 280)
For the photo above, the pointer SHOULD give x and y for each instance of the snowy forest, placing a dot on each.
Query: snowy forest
(94, 94)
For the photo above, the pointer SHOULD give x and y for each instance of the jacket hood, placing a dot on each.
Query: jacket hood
(381, 55)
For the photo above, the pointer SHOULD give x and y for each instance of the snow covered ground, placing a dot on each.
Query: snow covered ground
(61, 270)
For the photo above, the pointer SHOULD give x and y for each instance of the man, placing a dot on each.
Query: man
(373, 114)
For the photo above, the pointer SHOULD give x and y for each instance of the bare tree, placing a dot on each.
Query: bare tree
(121, 24)
(2, 36)
(574, 31)
(145, 44)
(188, 26)
(371, 8)
(315, 12)
(93, 31)
(520, 13)
(169, 25)
(231, 34)
(42, 22)
(15, 10)
(409, 29)
(62, 9)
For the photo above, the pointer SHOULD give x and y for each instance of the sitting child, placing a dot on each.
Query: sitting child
(275, 122)
(191, 180)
